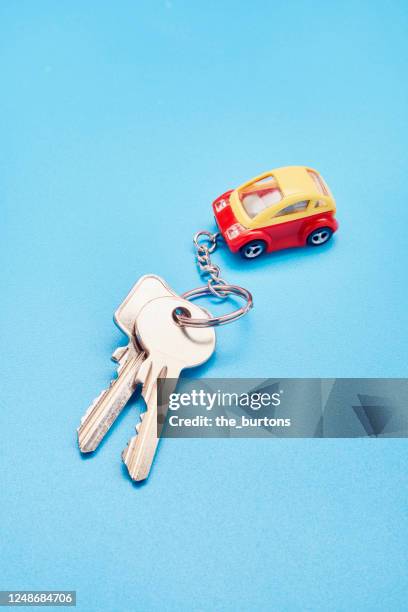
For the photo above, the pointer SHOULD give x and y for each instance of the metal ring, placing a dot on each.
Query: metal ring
(211, 238)
(223, 319)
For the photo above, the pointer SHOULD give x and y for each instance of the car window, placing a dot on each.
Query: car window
(318, 181)
(292, 209)
(260, 195)
(320, 203)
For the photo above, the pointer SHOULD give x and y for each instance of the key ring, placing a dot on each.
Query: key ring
(183, 319)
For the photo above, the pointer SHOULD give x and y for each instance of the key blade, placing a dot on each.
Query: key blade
(107, 406)
(138, 456)
(139, 453)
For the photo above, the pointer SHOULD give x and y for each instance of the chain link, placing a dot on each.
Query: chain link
(208, 269)
(205, 244)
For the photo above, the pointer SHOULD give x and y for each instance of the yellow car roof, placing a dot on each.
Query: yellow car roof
(295, 180)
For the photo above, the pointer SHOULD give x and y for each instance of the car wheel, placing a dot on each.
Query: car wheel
(319, 236)
(253, 249)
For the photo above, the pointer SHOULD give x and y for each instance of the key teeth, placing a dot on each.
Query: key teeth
(138, 426)
(118, 353)
(127, 454)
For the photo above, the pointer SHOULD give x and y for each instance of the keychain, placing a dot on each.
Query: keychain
(166, 332)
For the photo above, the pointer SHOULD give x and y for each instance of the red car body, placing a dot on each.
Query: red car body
(281, 235)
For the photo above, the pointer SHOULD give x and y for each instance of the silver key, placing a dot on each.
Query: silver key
(108, 405)
(170, 348)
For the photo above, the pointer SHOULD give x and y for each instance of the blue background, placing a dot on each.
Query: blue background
(120, 123)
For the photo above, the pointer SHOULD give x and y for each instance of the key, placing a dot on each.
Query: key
(170, 348)
(107, 406)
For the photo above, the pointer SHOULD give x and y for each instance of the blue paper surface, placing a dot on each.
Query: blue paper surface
(120, 123)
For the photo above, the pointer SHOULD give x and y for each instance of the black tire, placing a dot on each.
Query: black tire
(319, 236)
(253, 249)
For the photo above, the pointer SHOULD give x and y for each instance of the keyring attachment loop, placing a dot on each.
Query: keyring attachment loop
(214, 286)
(208, 237)
(223, 319)
(205, 244)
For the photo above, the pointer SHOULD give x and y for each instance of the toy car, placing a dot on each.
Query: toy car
(286, 207)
